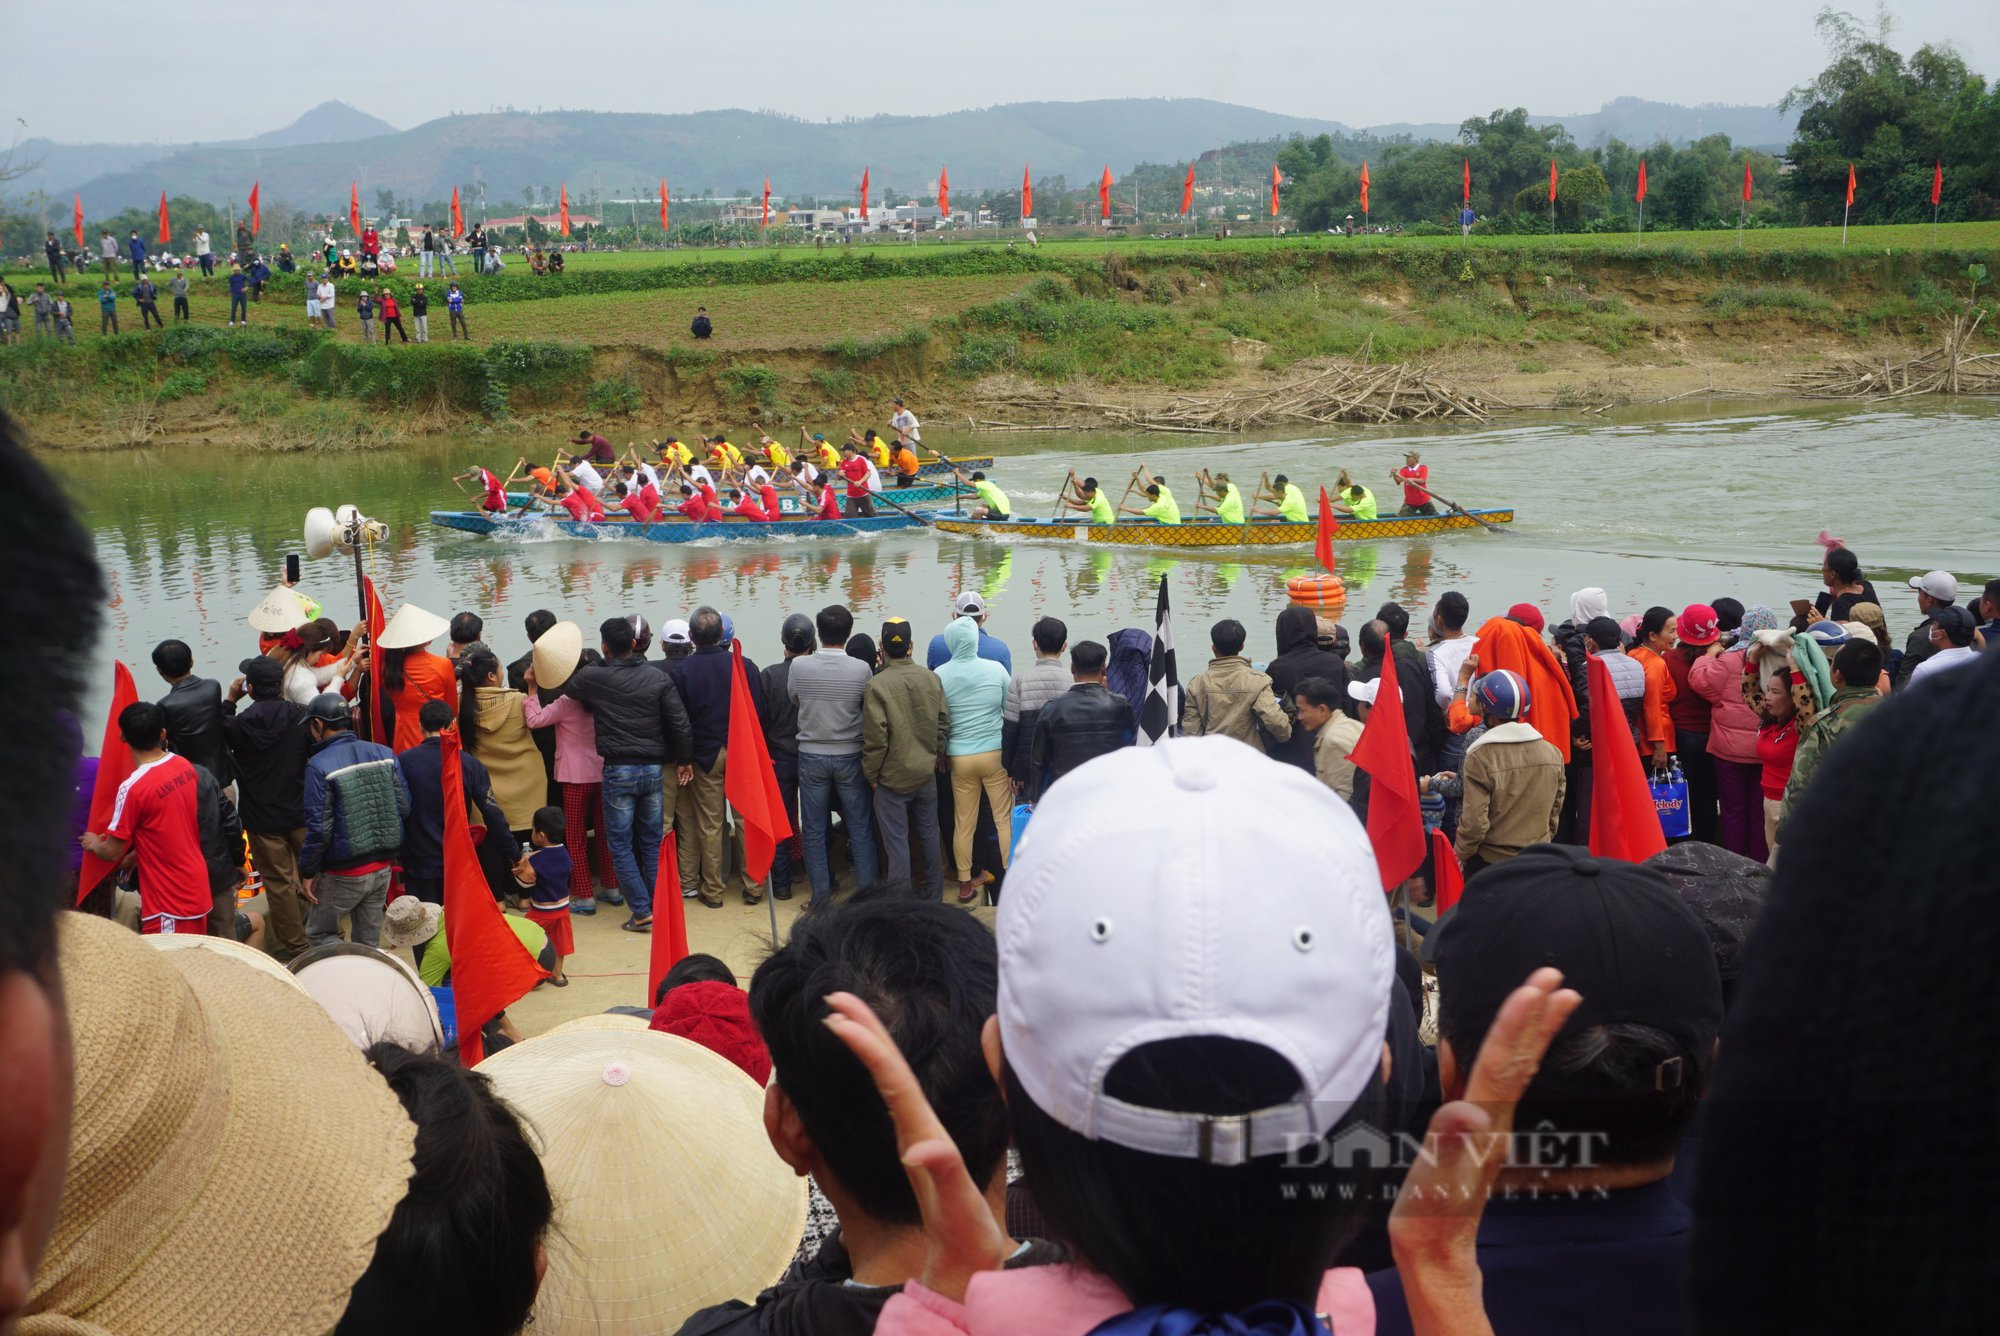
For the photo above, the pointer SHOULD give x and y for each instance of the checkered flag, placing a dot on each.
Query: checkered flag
(1161, 715)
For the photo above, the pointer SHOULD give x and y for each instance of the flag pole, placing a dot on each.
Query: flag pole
(1843, 225)
(1642, 220)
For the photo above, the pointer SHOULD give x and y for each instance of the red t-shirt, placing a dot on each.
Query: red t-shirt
(651, 496)
(635, 505)
(574, 503)
(750, 510)
(855, 470)
(695, 508)
(1415, 495)
(600, 451)
(708, 496)
(593, 507)
(769, 495)
(156, 814)
(496, 496)
(829, 504)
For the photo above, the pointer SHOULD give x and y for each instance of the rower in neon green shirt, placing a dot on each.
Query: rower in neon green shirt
(997, 507)
(1228, 501)
(1356, 501)
(1290, 500)
(1089, 497)
(1164, 508)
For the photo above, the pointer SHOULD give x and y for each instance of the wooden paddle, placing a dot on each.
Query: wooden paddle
(1453, 505)
(1062, 495)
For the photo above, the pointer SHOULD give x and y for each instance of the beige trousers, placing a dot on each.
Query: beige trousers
(970, 775)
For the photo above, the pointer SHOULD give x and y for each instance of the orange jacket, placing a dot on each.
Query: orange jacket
(1655, 724)
(1551, 703)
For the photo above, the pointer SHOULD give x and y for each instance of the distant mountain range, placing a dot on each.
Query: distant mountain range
(309, 163)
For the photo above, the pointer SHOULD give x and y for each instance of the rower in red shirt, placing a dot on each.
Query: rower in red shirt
(829, 501)
(693, 504)
(634, 504)
(855, 469)
(494, 496)
(768, 497)
(581, 504)
(1415, 477)
(746, 507)
(709, 499)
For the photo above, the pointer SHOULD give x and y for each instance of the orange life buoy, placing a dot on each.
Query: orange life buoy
(1317, 591)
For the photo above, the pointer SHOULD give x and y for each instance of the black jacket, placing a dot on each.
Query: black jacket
(423, 831)
(221, 833)
(705, 679)
(194, 725)
(1421, 715)
(1080, 725)
(268, 745)
(778, 714)
(639, 715)
(1300, 657)
(1915, 650)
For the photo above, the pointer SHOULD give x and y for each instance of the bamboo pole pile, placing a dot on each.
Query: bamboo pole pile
(1316, 392)
(1949, 369)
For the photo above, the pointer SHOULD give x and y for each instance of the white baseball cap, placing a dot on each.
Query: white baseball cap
(1194, 888)
(1938, 584)
(675, 632)
(1364, 691)
(968, 604)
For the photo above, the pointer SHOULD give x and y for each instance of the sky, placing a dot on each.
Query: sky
(1413, 60)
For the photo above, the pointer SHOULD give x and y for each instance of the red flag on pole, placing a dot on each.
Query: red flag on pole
(1850, 185)
(1323, 543)
(114, 767)
(1276, 178)
(490, 968)
(665, 201)
(767, 203)
(562, 215)
(78, 224)
(457, 215)
(166, 228)
(1395, 820)
(1364, 189)
(864, 194)
(1552, 180)
(944, 192)
(670, 929)
(750, 785)
(1747, 181)
(378, 718)
(1447, 877)
(1027, 193)
(256, 221)
(1623, 821)
(1104, 193)
(1640, 194)
(354, 207)
(1468, 183)
(1187, 192)
(1937, 184)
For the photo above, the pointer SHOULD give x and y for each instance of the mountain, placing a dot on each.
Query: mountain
(63, 168)
(1642, 123)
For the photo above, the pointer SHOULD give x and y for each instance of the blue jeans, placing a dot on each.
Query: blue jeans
(633, 828)
(786, 768)
(819, 777)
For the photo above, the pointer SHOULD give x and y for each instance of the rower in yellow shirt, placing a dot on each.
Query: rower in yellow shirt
(776, 455)
(723, 455)
(674, 454)
(826, 455)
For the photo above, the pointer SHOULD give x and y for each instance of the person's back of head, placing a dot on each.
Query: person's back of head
(1395, 618)
(705, 627)
(1227, 637)
(1859, 663)
(173, 659)
(435, 717)
(1452, 610)
(1050, 635)
(796, 635)
(1604, 633)
(616, 633)
(834, 624)
(929, 972)
(1374, 640)
(538, 622)
(463, 1250)
(699, 967)
(1087, 660)
(142, 725)
(1728, 614)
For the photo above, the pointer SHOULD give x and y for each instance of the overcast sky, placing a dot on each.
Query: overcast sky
(248, 67)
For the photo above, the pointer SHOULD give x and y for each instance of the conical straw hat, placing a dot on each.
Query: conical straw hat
(605, 1021)
(260, 961)
(556, 654)
(668, 1193)
(161, 1191)
(411, 627)
(281, 610)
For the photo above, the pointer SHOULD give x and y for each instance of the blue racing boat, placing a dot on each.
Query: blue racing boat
(672, 530)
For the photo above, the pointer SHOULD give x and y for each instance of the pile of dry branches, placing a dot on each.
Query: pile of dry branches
(1318, 392)
(1946, 370)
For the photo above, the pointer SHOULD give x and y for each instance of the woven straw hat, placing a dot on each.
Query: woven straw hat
(601, 1022)
(226, 946)
(236, 1112)
(556, 653)
(411, 627)
(279, 611)
(669, 1194)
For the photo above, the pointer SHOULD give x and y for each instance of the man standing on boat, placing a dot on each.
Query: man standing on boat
(1291, 502)
(860, 500)
(904, 423)
(1415, 478)
(598, 450)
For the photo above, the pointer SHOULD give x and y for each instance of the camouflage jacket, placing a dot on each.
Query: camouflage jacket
(1848, 706)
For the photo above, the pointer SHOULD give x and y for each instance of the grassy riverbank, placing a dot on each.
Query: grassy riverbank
(811, 337)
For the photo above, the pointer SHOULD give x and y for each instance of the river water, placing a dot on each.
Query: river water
(1666, 506)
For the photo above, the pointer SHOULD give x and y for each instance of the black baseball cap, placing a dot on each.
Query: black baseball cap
(895, 632)
(1617, 931)
(1955, 622)
(262, 674)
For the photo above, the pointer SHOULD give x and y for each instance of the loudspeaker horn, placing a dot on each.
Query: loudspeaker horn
(322, 532)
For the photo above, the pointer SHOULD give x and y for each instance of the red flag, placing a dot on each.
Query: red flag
(490, 968)
(1104, 193)
(114, 767)
(944, 192)
(1395, 820)
(1640, 194)
(750, 785)
(1276, 178)
(1937, 184)
(1623, 821)
(1746, 182)
(166, 228)
(1323, 544)
(79, 220)
(670, 929)
(1027, 193)
(1364, 189)
(378, 718)
(562, 216)
(457, 215)
(767, 203)
(1850, 185)
(1468, 183)
(354, 207)
(864, 194)
(255, 219)
(1187, 192)
(1552, 180)
(1447, 877)
(665, 200)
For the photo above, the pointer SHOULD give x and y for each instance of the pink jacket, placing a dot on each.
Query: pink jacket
(1069, 1301)
(1732, 727)
(577, 761)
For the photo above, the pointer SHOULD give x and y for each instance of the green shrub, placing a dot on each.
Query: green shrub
(752, 382)
(616, 396)
(180, 384)
(980, 353)
(836, 383)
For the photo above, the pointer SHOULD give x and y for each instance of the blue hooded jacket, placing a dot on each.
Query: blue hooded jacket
(975, 690)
